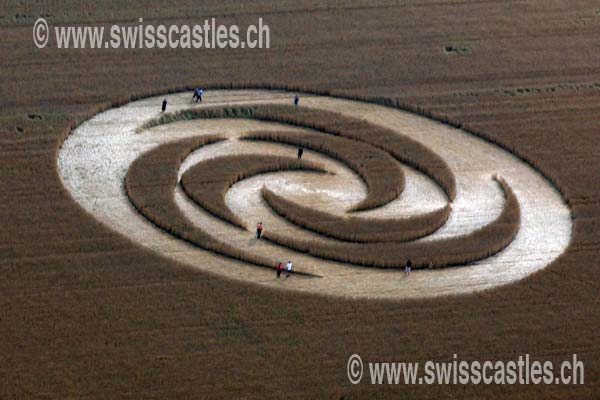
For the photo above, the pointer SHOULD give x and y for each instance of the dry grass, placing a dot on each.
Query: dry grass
(458, 250)
(207, 182)
(357, 229)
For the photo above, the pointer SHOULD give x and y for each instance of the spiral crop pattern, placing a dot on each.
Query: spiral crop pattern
(375, 187)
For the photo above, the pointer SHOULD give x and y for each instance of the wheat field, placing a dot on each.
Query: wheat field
(87, 312)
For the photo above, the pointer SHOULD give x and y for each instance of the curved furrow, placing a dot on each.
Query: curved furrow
(458, 250)
(150, 184)
(357, 229)
(399, 146)
(380, 172)
(207, 182)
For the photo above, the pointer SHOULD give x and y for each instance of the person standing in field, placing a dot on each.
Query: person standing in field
(300, 152)
(288, 269)
(408, 267)
(197, 95)
(296, 100)
(279, 270)
(164, 105)
(259, 229)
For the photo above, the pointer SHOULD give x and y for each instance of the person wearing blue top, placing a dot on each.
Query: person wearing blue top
(198, 95)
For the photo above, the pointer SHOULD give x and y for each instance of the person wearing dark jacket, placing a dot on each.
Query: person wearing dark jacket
(408, 267)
